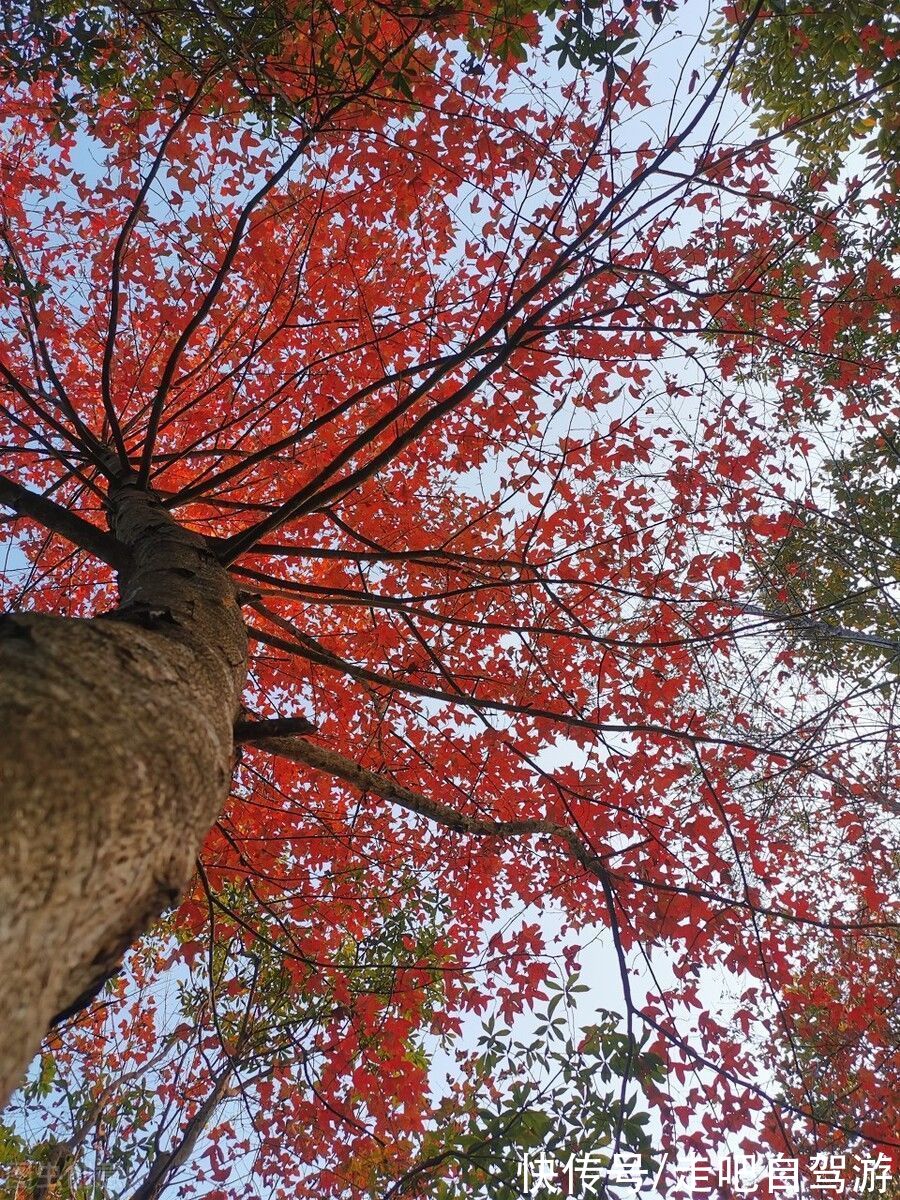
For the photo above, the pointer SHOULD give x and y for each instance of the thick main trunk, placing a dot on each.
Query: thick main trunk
(115, 758)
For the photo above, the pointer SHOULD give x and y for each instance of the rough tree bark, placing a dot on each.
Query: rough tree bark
(116, 736)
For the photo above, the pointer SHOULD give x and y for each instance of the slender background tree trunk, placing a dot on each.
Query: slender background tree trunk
(115, 758)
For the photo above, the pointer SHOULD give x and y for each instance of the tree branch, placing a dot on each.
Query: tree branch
(333, 763)
(320, 758)
(306, 647)
(276, 728)
(67, 524)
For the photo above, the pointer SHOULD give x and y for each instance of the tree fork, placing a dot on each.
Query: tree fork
(115, 760)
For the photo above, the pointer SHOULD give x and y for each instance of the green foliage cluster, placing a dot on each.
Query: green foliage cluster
(828, 71)
(563, 1091)
(137, 46)
(45, 1170)
(842, 564)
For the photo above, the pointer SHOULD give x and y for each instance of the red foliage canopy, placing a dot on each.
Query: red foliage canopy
(462, 389)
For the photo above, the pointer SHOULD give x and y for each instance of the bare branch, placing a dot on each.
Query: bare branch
(67, 524)
(277, 727)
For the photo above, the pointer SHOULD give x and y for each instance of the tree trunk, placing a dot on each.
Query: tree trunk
(115, 759)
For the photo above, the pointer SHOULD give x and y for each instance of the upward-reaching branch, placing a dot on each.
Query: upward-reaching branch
(61, 520)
